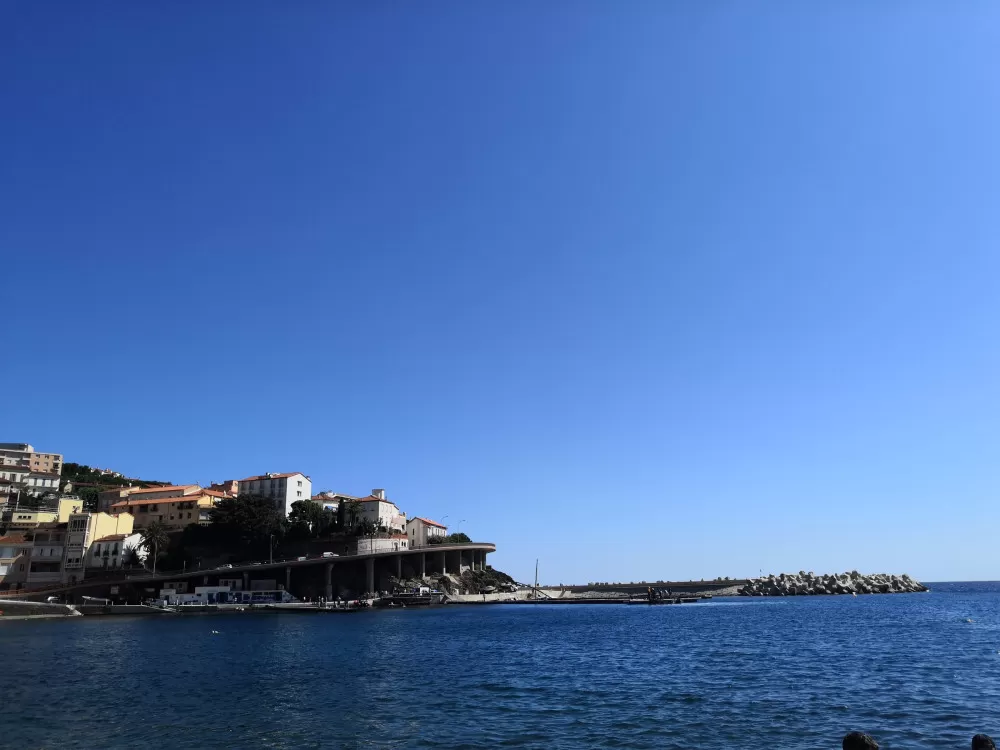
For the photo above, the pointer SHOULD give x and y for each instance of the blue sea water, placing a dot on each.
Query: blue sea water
(735, 673)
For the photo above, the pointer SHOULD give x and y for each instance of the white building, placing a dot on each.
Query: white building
(420, 530)
(284, 489)
(110, 552)
(14, 478)
(382, 512)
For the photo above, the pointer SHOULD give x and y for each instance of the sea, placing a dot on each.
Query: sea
(913, 670)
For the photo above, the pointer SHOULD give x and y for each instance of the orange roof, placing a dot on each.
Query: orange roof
(273, 476)
(164, 489)
(373, 499)
(112, 538)
(12, 539)
(214, 493)
(154, 500)
(429, 522)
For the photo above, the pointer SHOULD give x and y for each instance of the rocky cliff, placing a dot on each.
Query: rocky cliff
(806, 584)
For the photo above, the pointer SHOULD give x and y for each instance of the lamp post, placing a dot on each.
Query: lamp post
(270, 549)
(460, 525)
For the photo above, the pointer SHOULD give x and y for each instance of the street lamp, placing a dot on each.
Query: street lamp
(270, 548)
(460, 525)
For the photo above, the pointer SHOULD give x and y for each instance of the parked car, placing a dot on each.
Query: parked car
(330, 554)
(227, 565)
(303, 558)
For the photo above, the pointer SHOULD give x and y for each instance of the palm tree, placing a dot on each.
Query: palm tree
(130, 556)
(153, 537)
(353, 513)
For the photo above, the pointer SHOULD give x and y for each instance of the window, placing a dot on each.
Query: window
(298, 494)
(300, 483)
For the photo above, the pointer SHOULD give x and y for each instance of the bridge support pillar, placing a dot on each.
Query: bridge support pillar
(444, 562)
(288, 577)
(399, 566)
(246, 581)
(329, 579)
(370, 574)
(423, 564)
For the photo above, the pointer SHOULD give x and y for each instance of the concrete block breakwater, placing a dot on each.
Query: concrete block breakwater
(807, 584)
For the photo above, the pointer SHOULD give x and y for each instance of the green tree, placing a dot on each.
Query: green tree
(307, 516)
(89, 497)
(351, 513)
(248, 522)
(155, 540)
(130, 557)
(327, 522)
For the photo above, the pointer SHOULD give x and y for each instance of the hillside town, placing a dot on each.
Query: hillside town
(65, 523)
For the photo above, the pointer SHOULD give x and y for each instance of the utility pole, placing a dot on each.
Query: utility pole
(534, 594)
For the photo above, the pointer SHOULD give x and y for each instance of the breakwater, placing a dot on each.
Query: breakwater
(808, 584)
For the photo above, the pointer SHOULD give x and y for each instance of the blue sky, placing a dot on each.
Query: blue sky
(639, 289)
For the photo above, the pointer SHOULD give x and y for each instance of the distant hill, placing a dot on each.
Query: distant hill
(88, 482)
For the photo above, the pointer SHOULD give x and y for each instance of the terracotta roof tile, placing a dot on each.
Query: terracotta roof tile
(12, 539)
(159, 500)
(273, 476)
(373, 499)
(429, 522)
(164, 489)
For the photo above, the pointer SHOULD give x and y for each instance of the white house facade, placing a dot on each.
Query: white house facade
(283, 489)
(420, 531)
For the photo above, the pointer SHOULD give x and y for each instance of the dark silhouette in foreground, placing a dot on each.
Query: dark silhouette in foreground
(862, 741)
(859, 741)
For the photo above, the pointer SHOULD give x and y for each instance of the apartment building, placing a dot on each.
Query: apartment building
(24, 456)
(109, 498)
(283, 489)
(83, 530)
(16, 517)
(15, 556)
(174, 511)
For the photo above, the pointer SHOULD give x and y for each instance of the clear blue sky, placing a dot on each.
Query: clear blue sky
(641, 289)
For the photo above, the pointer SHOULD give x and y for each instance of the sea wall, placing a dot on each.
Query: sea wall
(807, 584)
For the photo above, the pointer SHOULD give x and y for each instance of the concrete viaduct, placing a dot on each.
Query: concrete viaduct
(368, 568)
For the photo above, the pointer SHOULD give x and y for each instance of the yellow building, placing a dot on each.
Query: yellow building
(109, 498)
(81, 531)
(173, 512)
(25, 519)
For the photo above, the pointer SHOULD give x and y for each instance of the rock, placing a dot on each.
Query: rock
(859, 741)
(805, 584)
(983, 742)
